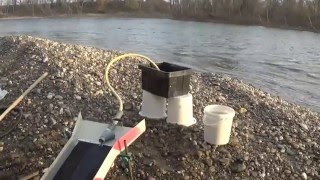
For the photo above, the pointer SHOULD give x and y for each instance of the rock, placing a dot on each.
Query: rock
(1, 148)
(243, 110)
(208, 162)
(309, 162)
(221, 99)
(225, 161)
(61, 111)
(304, 176)
(45, 59)
(194, 143)
(254, 174)
(290, 152)
(212, 169)
(141, 172)
(50, 95)
(58, 97)
(238, 167)
(53, 121)
(127, 106)
(273, 119)
(281, 147)
(100, 92)
(68, 112)
(186, 177)
(304, 126)
(98, 83)
(280, 138)
(148, 162)
(77, 97)
(287, 171)
(199, 154)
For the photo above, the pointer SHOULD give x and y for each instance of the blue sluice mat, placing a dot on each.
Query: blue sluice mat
(83, 163)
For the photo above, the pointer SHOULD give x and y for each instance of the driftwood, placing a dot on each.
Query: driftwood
(17, 101)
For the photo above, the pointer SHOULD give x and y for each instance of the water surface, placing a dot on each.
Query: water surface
(283, 62)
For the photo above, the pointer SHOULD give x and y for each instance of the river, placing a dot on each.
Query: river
(282, 62)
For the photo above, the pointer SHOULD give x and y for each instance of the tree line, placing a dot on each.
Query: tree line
(296, 13)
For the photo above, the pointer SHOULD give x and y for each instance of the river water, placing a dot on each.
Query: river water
(282, 62)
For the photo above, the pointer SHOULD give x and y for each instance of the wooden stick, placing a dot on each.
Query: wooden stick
(17, 101)
(29, 176)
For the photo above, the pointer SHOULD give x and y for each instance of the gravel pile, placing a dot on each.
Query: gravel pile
(271, 138)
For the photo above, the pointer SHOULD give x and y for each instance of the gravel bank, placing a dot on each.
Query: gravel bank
(271, 138)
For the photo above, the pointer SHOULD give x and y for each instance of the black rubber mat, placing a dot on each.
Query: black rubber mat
(83, 163)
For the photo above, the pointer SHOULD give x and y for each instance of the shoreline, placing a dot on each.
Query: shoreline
(268, 135)
(160, 16)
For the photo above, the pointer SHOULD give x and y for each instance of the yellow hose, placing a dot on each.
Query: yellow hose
(115, 60)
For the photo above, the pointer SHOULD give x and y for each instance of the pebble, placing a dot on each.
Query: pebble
(262, 175)
(50, 95)
(243, 110)
(127, 106)
(290, 152)
(304, 176)
(208, 162)
(58, 97)
(186, 177)
(287, 171)
(309, 162)
(98, 83)
(277, 119)
(1, 148)
(225, 161)
(194, 143)
(53, 121)
(238, 167)
(45, 59)
(199, 154)
(280, 146)
(212, 169)
(304, 126)
(77, 97)
(280, 138)
(148, 162)
(254, 174)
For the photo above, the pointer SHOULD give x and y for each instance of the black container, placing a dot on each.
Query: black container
(172, 80)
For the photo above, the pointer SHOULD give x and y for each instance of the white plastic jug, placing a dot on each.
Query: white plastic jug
(153, 106)
(3, 93)
(217, 122)
(180, 110)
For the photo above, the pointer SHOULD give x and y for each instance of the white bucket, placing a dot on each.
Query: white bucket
(153, 106)
(180, 110)
(217, 122)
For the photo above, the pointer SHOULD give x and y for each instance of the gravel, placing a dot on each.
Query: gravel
(271, 138)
